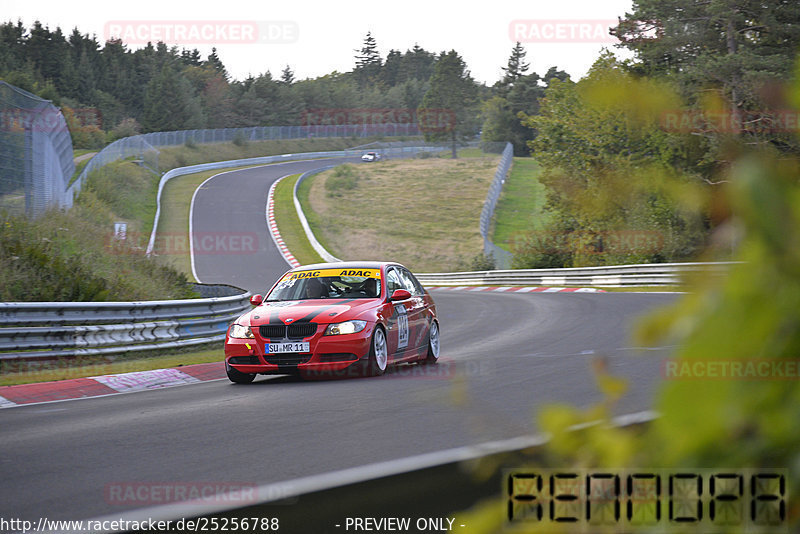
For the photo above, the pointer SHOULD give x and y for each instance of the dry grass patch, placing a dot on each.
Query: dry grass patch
(423, 213)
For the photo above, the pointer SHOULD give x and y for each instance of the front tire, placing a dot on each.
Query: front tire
(378, 353)
(433, 345)
(237, 377)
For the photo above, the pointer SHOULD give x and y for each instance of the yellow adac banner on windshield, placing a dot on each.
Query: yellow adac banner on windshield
(364, 273)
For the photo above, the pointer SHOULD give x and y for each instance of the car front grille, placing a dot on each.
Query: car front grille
(287, 358)
(293, 331)
(272, 331)
(302, 330)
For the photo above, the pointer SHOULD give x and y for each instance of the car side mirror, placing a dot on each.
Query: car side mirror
(255, 300)
(400, 294)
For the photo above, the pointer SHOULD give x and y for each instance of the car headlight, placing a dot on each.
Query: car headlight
(347, 327)
(241, 332)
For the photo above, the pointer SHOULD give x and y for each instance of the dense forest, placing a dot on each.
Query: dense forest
(111, 87)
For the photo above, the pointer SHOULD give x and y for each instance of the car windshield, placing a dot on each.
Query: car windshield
(327, 284)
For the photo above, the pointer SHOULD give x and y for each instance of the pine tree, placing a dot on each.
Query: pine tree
(86, 78)
(368, 62)
(418, 64)
(448, 110)
(287, 75)
(215, 63)
(516, 66)
(68, 77)
(170, 103)
(191, 57)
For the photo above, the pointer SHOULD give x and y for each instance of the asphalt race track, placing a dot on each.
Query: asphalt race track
(504, 355)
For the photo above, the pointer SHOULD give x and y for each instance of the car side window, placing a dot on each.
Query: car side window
(417, 283)
(393, 281)
(410, 283)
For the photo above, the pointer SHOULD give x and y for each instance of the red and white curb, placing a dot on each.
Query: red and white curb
(273, 227)
(509, 289)
(100, 386)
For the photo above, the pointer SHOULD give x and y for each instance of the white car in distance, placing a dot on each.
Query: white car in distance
(371, 156)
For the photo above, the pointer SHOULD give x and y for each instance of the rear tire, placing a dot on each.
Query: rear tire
(237, 377)
(378, 353)
(433, 345)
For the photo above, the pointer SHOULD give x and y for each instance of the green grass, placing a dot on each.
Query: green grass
(468, 153)
(519, 209)
(315, 221)
(128, 190)
(289, 223)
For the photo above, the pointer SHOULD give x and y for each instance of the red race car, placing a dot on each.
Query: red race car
(332, 319)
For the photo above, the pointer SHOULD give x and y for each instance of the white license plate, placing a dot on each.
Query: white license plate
(300, 346)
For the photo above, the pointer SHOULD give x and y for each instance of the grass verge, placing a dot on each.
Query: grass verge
(520, 206)
(289, 223)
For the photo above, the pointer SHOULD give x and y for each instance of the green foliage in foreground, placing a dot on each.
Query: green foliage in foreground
(618, 186)
(750, 318)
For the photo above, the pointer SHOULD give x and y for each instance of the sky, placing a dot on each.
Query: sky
(318, 37)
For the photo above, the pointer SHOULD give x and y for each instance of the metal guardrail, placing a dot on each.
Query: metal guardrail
(34, 330)
(651, 274)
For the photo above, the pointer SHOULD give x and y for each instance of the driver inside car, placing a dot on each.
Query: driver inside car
(315, 289)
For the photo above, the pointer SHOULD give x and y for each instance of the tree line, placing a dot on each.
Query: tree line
(159, 88)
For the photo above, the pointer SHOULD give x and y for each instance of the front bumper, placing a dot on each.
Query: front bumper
(328, 354)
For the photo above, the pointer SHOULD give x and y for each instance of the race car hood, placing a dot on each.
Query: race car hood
(316, 311)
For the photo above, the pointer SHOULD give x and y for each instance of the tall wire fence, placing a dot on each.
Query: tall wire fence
(502, 258)
(36, 162)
